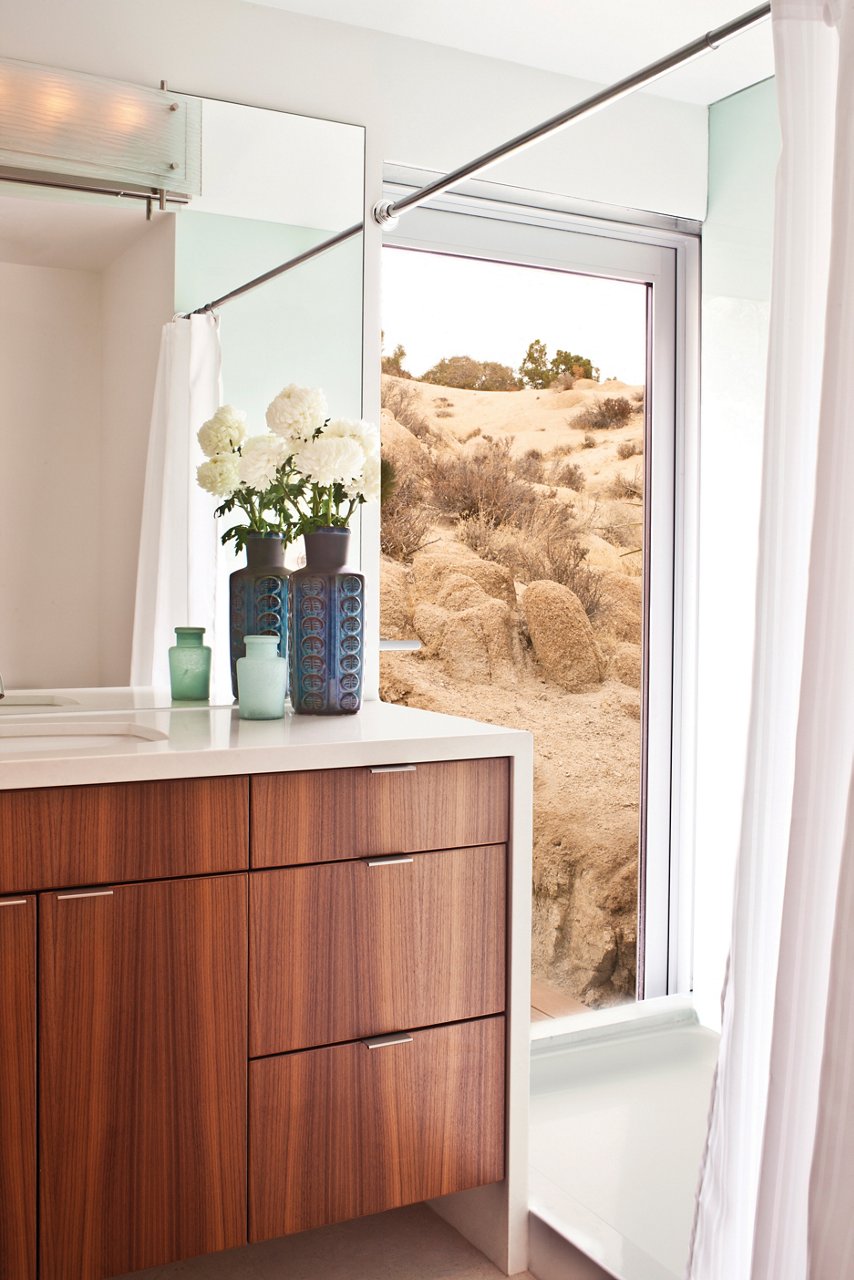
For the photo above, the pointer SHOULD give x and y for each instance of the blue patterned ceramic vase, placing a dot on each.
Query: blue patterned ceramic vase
(258, 597)
(326, 623)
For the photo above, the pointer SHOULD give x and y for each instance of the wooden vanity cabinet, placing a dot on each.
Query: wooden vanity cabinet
(234, 1008)
(17, 1088)
(143, 1024)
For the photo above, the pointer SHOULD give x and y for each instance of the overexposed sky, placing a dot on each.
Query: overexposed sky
(437, 305)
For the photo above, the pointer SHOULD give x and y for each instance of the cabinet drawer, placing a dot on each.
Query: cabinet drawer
(344, 950)
(349, 813)
(58, 837)
(350, 1130)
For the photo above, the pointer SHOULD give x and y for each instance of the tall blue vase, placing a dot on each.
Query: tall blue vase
(258, 597)
(326, 623)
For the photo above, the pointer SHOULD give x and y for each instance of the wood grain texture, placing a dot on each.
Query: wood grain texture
(340, 951)
(341, 1132)
(143, 1025)
(18, 1090)
(57, 837)
(350, 813)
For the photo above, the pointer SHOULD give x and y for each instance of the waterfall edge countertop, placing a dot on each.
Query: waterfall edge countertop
(134, 742)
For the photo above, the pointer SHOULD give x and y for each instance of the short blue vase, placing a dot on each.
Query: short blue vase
(326, 620)
(258, 597)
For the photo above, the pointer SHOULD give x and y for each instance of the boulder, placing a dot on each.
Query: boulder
(481, 644)
(399, 444)
(621, 613)
(458, 591)
(562, 637)
(432, 567)
(625, 664)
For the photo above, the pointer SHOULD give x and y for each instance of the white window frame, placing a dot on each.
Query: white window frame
(484, 220)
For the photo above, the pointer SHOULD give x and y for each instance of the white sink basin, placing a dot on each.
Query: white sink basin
(65, 735)
(32, 701)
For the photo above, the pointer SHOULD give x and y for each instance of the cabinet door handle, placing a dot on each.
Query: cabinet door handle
(393, 768)
(92, 893)
(384, 1042)
(388, 862)
(13, 902)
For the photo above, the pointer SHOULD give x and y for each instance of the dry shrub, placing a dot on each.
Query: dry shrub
(627, 488)
(404, 516)
(540, 544)
(563, 382)
(531, 466)
(444, 413)
(629, 449)
(404, 403)
(638, 397)
(568, 476)
(562, 450)
(470, 435)
(604, 415)
(589, 442)
(480, 483)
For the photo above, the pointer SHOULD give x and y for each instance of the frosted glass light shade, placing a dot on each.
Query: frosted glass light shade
(67, 124)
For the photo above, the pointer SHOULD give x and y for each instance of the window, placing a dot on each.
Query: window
(568, 480)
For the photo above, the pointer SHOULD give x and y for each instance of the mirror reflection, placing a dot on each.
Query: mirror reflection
(86, 284)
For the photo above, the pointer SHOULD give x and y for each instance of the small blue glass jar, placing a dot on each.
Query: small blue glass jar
(262, 677)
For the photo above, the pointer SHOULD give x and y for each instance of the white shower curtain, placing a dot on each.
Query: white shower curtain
(776, 1200)
(177, 578)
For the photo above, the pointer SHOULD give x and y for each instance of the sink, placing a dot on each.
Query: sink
(65, 735)
(22, 701)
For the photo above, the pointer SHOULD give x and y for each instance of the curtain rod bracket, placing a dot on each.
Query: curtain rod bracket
(384, 214)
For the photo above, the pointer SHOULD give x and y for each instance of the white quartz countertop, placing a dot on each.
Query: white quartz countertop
(202, 741)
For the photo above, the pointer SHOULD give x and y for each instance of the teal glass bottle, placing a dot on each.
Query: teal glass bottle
(190, 666)
(262, 676)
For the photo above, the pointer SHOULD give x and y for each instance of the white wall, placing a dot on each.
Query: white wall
(50, 536)
(137, 300)
(737, 244)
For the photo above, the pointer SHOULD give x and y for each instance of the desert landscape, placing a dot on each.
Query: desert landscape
(512, 525)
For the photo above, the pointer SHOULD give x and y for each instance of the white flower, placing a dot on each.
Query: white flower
(367, 486)
(224, 431)
(365, 432)
(260, 459)
(330, 460)
(297, 412)
(219, 475)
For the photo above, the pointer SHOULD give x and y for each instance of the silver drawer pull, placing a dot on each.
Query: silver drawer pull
(394, 768)
(94, 893)
(384, 1042)
(13, 902)
(388, 862)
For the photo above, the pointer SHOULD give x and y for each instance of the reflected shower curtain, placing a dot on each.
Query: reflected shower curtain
(776, 1199)
(176, 579)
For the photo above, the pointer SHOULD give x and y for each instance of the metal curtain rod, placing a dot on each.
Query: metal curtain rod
(386, 212)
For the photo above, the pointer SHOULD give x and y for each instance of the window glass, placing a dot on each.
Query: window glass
(513, 536)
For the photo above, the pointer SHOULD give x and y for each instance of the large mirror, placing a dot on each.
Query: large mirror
(86, 284)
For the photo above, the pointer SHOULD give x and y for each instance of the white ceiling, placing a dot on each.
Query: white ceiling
(599, 40)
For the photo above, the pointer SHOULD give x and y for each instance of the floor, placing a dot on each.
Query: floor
(617, 1134)
(406, 1244)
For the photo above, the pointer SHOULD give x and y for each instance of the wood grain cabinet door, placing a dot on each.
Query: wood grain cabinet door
(351, 949)
(354, 813)
(350, 1130)
(17, 1088)
(143, 1025)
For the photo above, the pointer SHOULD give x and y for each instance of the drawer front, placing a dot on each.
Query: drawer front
(59, 837)
(344, 950)
(350, 1130)
(351, 813)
